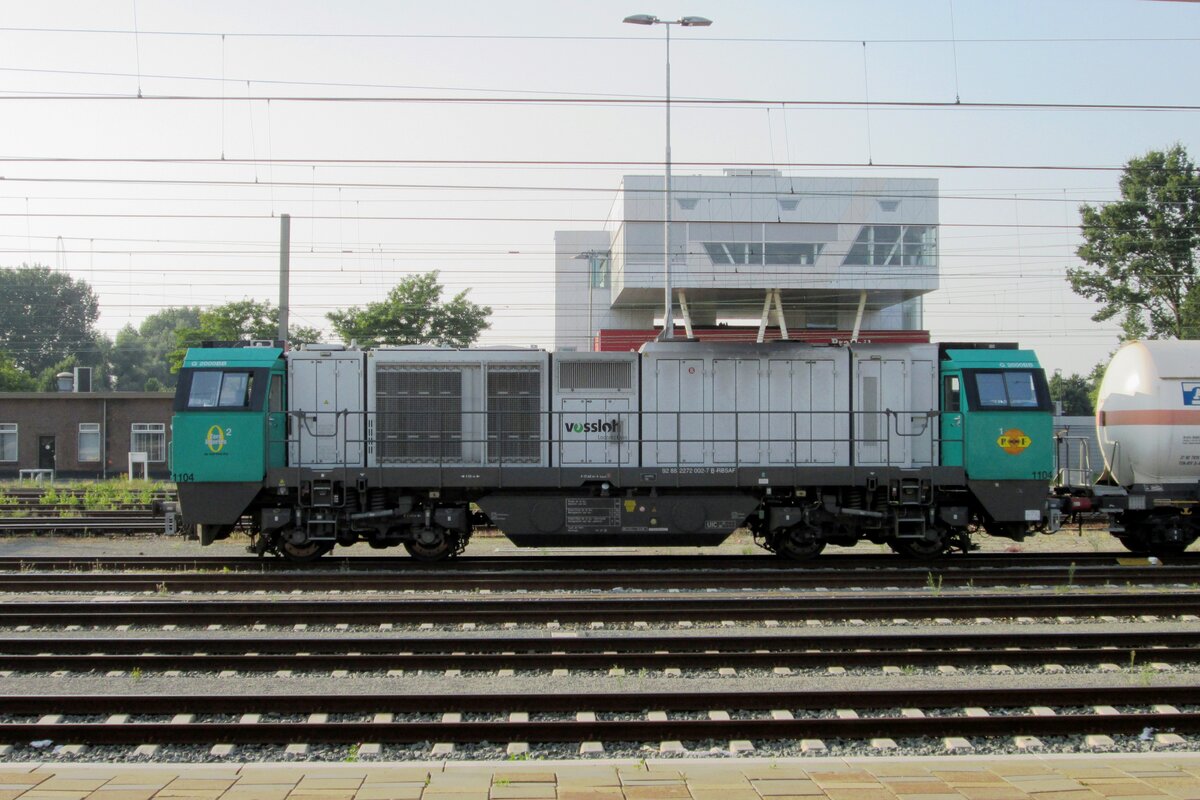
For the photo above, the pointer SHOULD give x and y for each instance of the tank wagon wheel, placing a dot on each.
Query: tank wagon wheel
(1140, 536)
(1139, 545)
(433, 544)
(303, 553)
(1134, 544)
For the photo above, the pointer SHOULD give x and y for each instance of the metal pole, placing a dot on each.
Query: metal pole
(668, 301)
(668, 330)
(285, 253)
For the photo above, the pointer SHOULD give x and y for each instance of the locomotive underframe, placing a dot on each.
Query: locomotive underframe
(432, 511)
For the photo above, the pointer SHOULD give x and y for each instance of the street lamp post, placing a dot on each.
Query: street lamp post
(668, 330)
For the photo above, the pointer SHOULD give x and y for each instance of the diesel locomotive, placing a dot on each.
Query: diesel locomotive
(917, 446)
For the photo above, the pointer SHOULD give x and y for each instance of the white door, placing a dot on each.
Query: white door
(679, 420)
(327, 396)
(735, 418)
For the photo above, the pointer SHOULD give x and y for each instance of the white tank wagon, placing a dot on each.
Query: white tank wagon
(1148, 426)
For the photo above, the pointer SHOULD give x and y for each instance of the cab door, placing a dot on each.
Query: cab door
(952, 420)
(277, 429)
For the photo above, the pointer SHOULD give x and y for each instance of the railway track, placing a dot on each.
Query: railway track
(658, 717)
(582, 609)
(696, 650)
(230, 654)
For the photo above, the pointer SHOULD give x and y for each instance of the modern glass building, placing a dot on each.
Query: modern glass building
(753, 253)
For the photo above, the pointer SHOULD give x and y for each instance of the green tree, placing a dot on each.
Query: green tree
(241, 319)
(413, 313)
(1074, 393)
(1140, 251)
(141, 357)
(13, 378)
(45, 316)
(1096, 377)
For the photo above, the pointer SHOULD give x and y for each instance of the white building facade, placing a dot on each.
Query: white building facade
(751, 247)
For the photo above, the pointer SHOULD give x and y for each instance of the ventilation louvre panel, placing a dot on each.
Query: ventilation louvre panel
(419, 415)
(514, 405)
(593, 375)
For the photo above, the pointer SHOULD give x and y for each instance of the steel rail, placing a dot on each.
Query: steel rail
(590, 562)
(142, 524)
(116, 610)
(890, 725)
(602, 731)
(693, 641)
(608, 579)
(694, 651)
(430, 702)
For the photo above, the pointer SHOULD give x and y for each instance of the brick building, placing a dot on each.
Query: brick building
(84, 434)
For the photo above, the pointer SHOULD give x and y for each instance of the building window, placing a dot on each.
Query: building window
(790, 253)
(89, 441)
(762, 254)
(894, 245)
(149, 438)
(8, 441)
(598, 266)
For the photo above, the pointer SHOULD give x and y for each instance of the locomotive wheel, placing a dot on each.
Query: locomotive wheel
(791, 544)
(303, 553)
(432, 545)
(921, 548)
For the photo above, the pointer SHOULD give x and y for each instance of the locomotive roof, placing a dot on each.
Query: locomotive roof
(992, 358)
(700, 347)
(232, 356)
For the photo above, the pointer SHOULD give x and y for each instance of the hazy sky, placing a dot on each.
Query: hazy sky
(459, 136)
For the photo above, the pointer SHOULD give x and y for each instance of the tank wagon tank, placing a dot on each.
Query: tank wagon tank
(1148, 427)
(913, 446)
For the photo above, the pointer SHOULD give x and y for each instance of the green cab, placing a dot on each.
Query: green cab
(997, 419)
(230, 420)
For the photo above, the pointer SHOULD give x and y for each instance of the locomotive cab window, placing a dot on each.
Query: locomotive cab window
(223, 389)
(953, 401)
(1007, 390)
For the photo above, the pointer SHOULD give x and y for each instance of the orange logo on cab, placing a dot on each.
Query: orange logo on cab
(1013, 441)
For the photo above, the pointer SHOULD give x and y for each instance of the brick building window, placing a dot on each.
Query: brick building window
(149, 438)
(89, 441)
(8, 441)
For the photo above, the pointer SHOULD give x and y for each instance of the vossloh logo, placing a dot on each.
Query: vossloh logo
(596, 426)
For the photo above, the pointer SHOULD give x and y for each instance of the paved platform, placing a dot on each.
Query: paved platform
(957, 778)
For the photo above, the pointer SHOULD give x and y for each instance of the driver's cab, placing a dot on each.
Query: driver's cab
(997, 418)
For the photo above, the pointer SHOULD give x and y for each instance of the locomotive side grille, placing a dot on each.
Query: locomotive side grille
(514, 404)
(418, 414)
(581, 375)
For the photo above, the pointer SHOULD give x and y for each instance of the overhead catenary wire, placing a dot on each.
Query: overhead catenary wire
(568, 38)
(13, 96)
